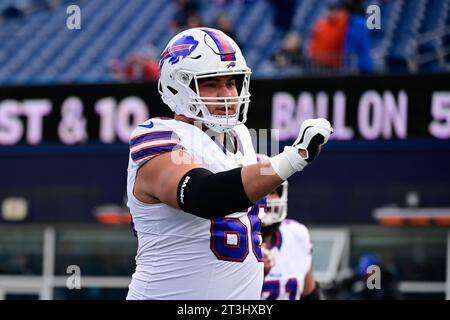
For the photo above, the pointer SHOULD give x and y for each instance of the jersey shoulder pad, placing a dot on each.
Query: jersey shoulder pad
(152, 138)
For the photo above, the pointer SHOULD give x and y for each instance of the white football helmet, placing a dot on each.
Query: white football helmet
(200, 53)
(276, 203)
(277, 206)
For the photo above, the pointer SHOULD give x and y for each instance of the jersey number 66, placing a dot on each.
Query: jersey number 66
(229, 236)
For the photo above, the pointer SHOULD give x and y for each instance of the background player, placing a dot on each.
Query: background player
(288, 262)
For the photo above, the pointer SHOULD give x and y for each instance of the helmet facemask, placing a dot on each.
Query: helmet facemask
(198, 105)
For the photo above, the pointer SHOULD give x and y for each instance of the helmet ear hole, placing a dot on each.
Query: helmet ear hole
(193, 109)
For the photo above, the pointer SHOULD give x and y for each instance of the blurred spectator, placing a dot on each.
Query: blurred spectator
(222, 2)
(223, 23)
(194, 21)
(139, 66)
(185, 9)
(18, 9)
(326, 46)
(21, 8)
(12, 11)
(291, 55)
(283, 14)
(52, 4)
(357, 41)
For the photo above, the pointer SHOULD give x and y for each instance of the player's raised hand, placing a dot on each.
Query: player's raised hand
(314, 133)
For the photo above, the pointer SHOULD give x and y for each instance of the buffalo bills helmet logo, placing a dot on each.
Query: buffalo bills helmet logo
(180, 49)
(231, 65)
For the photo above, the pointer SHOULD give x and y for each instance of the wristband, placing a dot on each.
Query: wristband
(287, 162)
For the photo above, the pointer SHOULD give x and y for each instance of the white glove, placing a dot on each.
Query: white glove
(314, 133)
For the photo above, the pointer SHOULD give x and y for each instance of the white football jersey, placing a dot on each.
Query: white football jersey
(291, 249)
(180, 255)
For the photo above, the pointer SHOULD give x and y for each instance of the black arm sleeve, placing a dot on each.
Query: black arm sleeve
(212, 195)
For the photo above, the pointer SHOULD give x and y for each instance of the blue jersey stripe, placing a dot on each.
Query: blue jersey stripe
(150, 151)
(151, 137)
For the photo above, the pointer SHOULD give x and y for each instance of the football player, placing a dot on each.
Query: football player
(195, 190)
(287, 252)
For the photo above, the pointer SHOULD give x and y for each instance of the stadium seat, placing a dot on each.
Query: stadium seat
(40, 49)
